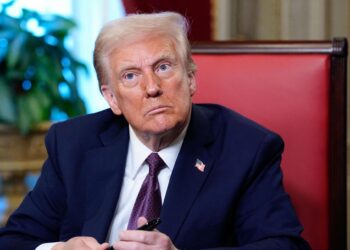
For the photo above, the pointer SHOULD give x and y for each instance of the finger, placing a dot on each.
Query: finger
(138, 239)
(104, 246)
(80, 242)
(140, 236)
(127, 245)
(141, 221)
(90, 242)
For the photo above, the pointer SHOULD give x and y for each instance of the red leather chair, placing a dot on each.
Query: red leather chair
(297, 89)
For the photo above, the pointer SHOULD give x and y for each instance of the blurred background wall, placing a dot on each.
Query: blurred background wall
(210, 20)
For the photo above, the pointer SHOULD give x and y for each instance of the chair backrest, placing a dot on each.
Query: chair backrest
(297, 89)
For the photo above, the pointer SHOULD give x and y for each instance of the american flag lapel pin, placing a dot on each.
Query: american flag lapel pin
(199, 165)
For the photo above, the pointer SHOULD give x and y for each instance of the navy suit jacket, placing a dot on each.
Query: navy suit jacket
(238, 201)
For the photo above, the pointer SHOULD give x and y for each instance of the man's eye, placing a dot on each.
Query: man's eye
(129, 76)
(164, 67)
(130, 79)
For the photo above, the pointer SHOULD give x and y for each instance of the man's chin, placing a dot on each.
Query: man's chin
(159, 131)
(162, 129)
(162, 126)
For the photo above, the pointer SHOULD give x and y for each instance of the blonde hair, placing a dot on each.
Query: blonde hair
(136, 26)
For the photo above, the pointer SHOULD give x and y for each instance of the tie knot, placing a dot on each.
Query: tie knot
(155, 164)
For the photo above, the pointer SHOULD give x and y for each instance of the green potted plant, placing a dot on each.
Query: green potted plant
(38, 78)
(38, 74)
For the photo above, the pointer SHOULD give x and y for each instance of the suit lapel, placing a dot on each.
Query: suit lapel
(104, 171)
(186, 180)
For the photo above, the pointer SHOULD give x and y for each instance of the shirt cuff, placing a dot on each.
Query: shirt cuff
(46, 246)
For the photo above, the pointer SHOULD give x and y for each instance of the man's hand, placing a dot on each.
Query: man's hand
(81, 243)
(138, 239)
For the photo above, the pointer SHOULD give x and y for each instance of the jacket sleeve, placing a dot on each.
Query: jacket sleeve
(265, 217)
(37, 219)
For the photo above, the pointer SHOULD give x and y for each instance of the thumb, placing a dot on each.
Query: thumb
(141, 221)
(104, 246)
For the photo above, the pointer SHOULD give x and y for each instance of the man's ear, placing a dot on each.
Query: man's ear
(111, 99)
(192, 83)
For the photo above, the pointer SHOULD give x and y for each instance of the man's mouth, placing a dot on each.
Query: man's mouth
(157, 110)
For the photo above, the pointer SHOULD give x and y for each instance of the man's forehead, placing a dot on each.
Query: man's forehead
(133, 58)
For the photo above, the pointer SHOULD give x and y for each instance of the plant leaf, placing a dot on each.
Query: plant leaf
(16, 48)
(30, 112)
(24, 122)
(7, 106)
(9, 22)
(32, 67)
(58, 25)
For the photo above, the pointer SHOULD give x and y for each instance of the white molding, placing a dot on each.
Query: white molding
(221, 13)
(91, 15)
(317, 19)
(285, 20)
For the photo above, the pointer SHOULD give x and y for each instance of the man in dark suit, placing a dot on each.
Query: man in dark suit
(217, 179)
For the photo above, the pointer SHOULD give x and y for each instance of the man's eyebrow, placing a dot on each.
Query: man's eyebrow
(131, 65)
(126, 66)
(170, 58)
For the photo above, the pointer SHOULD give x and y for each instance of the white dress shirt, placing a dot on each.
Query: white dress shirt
(136, 170)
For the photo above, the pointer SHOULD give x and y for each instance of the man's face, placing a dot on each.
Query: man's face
(150, 86)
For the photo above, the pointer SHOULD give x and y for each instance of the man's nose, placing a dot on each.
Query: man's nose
(152, 84)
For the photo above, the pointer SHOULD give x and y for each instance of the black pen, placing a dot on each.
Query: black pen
(146, 227)
(152, 224)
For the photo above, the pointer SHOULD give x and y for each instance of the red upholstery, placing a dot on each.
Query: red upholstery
(290, 95)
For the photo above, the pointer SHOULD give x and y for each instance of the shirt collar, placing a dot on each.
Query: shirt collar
(139, 152)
